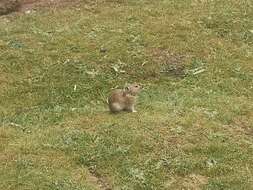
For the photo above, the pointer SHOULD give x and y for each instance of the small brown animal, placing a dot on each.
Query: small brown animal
(124, 99)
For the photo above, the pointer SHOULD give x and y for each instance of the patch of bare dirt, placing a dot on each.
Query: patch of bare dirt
(34, 4)
(191, 182)
(5, 81)
(100, 181)
(243, 124)
(171, 63)
(195, 182)
(8, 6)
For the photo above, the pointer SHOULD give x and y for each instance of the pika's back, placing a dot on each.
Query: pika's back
(116, 95)
(123, 99)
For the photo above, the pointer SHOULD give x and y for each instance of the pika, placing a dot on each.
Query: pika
(124, 99)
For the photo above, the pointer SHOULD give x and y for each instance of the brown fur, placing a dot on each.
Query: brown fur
(124, 99)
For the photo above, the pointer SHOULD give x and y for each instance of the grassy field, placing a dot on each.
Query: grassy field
(194, 125)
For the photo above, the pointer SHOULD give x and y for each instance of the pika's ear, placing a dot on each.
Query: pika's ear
(127, 88)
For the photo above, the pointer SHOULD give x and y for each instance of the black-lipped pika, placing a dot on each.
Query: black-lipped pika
(124, 99)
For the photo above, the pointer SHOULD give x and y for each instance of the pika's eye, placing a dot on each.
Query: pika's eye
(136, 86)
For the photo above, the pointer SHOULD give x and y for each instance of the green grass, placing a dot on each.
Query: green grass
(192, 130)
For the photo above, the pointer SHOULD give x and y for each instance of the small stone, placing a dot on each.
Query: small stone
(103, 50)
(28, 12)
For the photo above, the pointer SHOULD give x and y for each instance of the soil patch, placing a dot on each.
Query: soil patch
(35, 4)
(99, 180)
(171, 63)
(9, 6)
